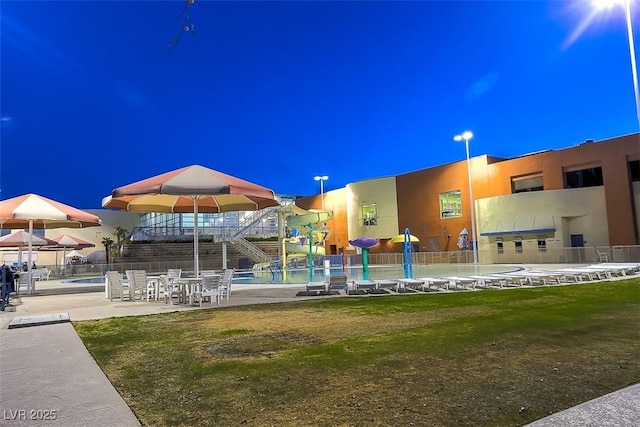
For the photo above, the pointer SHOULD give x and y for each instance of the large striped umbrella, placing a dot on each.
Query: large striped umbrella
(33, 211)
(191, 189)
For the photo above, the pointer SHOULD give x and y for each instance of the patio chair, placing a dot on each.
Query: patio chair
(118, 288)
(174, 274)
(225, 283)
(209, 287)
(171, 290)
(140, 287)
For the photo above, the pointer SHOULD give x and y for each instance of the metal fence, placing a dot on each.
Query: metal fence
(584, 255)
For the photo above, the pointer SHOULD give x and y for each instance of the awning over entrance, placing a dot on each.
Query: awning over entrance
(519, 225)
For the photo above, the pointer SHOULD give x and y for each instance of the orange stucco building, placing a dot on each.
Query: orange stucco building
(584, 195)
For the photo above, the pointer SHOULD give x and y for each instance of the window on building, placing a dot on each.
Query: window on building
(450, 204)
(542, 244)
(590, 177)
(523, 184)
(499, 246)
(634, 169)
(518, 245)
(369, 214)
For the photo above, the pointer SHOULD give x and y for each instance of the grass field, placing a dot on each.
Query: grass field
(488, 358)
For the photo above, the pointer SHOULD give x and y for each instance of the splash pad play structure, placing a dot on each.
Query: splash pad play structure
(304, 241)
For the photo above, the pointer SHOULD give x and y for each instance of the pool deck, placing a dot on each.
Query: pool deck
(49, 378)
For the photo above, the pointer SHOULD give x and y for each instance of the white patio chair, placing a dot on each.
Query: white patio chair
(171, 290)
(225, 283)
(174, 274)
(140, 287)
(118, 288)
(209, 287)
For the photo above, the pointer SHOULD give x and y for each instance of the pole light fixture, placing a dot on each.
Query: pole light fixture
(466, 136)
(322, 179)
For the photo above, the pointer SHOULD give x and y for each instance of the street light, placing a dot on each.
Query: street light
(626, 4)
(466, 136)
(322, 179)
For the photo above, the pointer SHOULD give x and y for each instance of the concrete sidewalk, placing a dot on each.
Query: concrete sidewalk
(48, 377)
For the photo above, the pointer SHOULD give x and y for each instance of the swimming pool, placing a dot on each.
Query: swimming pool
(301, 275)
(376, 272)
(84, 281)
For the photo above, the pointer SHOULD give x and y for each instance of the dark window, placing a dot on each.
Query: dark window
(518, 244)
(527, 184)
(542, 245)
(634, 169)
(500, 247)
(591, 177)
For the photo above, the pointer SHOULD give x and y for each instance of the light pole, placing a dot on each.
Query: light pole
(322, 179)
(466, 136)
(626, 4)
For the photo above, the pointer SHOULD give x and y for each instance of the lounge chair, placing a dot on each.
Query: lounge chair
(408, 284)
(383, 284)
(438, 282)
(463, 282)
(487, 281)
(360, 287)
(336, 283)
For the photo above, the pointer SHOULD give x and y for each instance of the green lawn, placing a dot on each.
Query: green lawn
(494, 357)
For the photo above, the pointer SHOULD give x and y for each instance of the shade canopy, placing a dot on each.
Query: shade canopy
(67, 241)
(400, 238)
(363, 242)
(41, 212)
(75, 254)
(180, 190)
(192, 189)
(34, 211)
(21, 239)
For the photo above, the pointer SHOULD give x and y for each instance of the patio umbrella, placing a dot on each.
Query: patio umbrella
(21, 240)
(65, 242)
(364, 243)
(34, 211)
(192, 189)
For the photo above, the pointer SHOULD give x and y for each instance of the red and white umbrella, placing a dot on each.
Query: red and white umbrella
(191, 189)
(65, 242)
(34, 211)
(21, 240)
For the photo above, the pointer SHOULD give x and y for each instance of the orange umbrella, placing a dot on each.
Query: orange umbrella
(34, 211)
(191, 189)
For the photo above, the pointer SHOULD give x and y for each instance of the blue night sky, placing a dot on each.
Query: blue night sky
(93, 97)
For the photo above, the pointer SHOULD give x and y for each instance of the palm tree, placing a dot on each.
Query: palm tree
(121, 235)
(107, 242)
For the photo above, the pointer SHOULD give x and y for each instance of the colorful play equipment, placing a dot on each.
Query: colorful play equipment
(407, 249)
(306, 239)
(308, 234)
(364, 243)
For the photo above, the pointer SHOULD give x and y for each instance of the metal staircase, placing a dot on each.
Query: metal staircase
(243, 245)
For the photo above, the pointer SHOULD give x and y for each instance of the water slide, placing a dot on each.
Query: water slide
(304, 220)
(297, 247)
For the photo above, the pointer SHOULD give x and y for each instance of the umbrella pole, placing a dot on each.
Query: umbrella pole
(196, 237)
(30, 286)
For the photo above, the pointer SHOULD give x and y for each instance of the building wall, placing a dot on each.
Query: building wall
(528, 217)
(110, 220)
(382, 192)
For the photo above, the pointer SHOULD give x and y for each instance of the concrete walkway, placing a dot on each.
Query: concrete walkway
(48, 378)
